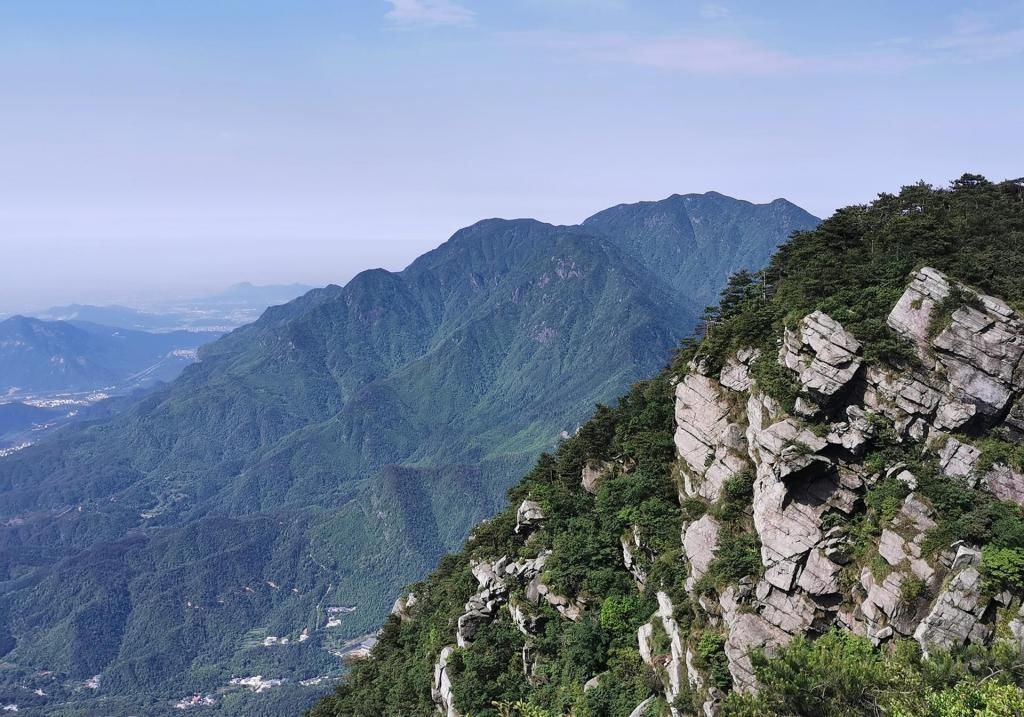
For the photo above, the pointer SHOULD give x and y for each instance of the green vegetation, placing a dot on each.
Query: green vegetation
(1004, 567)
(583, 532)
(998, 449)
(841, 675)
(711, 654)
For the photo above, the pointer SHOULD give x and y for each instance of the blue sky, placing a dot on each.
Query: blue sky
(166, 146)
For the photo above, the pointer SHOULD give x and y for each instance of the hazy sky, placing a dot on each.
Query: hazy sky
(151, 146)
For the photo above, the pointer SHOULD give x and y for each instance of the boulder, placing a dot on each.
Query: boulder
(566, 607)
(469, 625)
(852, 434)
(402, 606)
(592, 473)
(958, 460)
(528, 516)
(735, 374)
(823, 354)
(820, 575)
(525, 621)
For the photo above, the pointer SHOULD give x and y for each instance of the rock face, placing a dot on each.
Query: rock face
(1006, 483)
(671, 668)
(961, 614)
(973, 362)
(712, 447)
(634, 555)
(700, 540)
(969, 377)
(495, 579)
(441, 691)
(824, 356)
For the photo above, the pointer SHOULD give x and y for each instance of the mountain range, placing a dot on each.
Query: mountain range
(238, 304)
(43, 357)
(241, 530)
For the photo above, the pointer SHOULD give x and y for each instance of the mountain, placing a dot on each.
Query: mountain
(816, 509)
(254, 295)
(124, 317)
(239, 304)
(690, 241)
(38, 357)
(257, 517)
(17, 418)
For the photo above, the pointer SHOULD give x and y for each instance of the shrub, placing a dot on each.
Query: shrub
(711, 656)
(1003, 567)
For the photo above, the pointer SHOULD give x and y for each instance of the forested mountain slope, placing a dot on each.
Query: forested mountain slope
(262, 511)
(815, 510)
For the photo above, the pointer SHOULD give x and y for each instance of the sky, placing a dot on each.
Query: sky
(161, 147)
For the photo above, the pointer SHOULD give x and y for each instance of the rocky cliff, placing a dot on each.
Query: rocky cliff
(816, 481)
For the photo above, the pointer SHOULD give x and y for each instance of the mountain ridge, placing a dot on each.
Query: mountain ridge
(816, 509)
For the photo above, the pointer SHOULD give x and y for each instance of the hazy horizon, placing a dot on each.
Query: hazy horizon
(182, 146)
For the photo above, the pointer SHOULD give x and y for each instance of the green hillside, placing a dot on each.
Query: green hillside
(263, 511)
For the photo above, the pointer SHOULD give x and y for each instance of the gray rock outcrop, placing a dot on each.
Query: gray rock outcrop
(700, 540)
(528, 516)
(961, 613)
(441, 690)
(823, 354)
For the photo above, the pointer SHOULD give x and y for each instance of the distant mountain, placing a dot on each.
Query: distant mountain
(39, 357)
(263, 510)
(247, 294)
(124, 317)
(240, 304)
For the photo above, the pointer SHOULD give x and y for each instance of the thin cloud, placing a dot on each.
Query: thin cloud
(429, 12)
(730, 55)
(714, 11)
(978, 38)
(691, 54)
